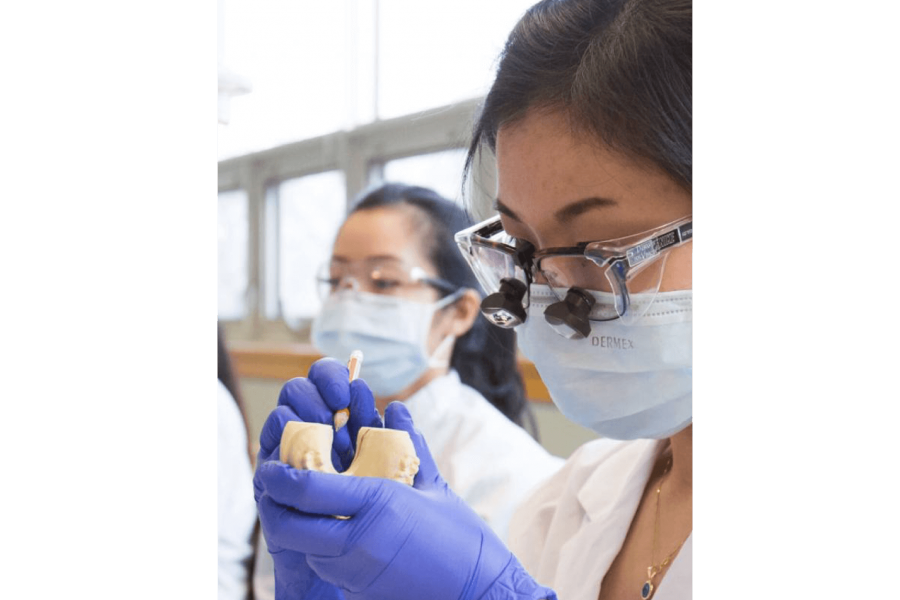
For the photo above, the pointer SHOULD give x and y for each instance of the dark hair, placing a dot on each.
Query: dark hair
(485, 356)
(619, 69)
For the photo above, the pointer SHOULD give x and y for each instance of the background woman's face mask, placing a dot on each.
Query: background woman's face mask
(391, 331)
(622, 381)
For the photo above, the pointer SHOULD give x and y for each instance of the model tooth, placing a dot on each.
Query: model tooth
(386, 453)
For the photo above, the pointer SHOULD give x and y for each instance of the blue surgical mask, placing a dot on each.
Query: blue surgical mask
(622, 381)
(392, 333)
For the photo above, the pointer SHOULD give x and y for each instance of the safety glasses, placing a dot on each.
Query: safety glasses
(386, 276)
(601, 280)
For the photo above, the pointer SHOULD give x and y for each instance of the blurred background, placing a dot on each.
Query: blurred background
(318, 102)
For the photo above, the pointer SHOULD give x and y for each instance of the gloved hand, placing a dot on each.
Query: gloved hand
(400, 542)
(313, 400)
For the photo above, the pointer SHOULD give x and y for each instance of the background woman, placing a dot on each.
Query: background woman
(398, 289)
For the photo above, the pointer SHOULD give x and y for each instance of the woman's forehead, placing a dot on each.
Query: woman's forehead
(559, 184)
(385, 233)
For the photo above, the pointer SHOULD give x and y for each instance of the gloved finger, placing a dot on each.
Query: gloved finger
(332, 379)
(270, 441)
(342, 449)
(302, 396)
(320, 493)
(362, 409)
(294, 531)
(302, 582)
(270, 436)
(259, 489)
(396, 416)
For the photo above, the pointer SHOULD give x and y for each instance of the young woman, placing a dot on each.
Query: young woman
(235, 510)
(590, 258)
(397, 288)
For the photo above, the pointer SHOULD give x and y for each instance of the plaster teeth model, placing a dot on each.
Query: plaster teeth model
(387, 453)
(307, 446)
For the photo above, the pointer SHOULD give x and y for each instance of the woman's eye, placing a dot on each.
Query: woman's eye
(385, 284)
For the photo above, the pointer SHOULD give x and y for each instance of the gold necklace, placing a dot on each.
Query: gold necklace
(653, 570)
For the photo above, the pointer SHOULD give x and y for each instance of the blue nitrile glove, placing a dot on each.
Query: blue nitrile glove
(313, 400)
(325, 391)
(400, 542)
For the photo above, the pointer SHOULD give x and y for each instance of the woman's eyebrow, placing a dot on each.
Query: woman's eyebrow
(382, 257)
(564, 214)
(505, 210)
(569, 212)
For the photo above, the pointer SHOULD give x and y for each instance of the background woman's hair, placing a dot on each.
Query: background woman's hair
(228, 377)
(619, 69)
(485, 357)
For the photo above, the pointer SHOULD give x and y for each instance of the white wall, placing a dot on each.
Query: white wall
(228, 84)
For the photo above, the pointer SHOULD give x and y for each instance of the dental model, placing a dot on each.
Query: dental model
(387, 453)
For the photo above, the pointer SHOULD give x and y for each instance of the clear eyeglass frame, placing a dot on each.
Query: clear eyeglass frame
(385, 276)
(618, 268)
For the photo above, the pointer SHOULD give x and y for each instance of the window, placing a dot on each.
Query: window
(309, 212)
(436, 53)
(278, 46)
(342, 98)
(234, 230)
(440, 171)
(320, 67)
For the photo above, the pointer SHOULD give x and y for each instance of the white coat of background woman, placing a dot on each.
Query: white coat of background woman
(235, 509)
(397, 288)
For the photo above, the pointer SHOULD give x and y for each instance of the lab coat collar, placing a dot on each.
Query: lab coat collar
(616, 489)
(439, 387)
(609, 497)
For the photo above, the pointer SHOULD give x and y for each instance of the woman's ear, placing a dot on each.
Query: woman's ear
(466, 310)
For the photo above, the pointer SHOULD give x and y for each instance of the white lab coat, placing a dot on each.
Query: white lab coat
(569, 532)
(489, 461)
(236, 508)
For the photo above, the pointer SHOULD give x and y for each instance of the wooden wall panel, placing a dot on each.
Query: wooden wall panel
(286, 361)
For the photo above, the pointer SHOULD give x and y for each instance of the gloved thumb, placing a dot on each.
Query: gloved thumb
(362, 409)
(396, 416)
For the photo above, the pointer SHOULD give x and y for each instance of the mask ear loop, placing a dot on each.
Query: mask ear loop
(449, 339)
(434, 361)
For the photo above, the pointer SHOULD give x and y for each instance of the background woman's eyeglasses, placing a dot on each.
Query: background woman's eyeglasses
(376, 275)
